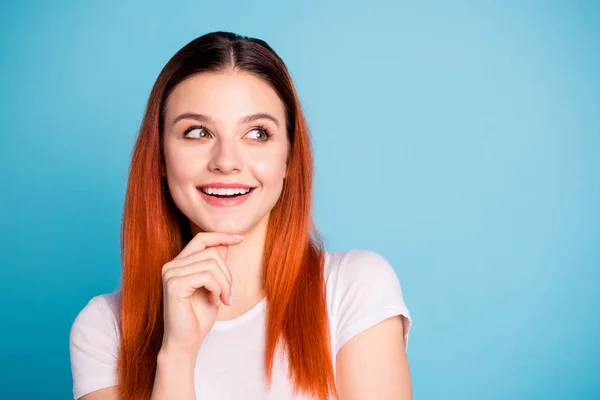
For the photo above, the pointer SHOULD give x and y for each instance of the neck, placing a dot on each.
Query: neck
(245, 264)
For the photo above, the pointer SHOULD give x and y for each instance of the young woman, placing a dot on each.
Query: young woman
(227, 292)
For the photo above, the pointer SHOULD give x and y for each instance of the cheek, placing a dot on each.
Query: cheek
(270, 170)
(179, 173)
(181, 165)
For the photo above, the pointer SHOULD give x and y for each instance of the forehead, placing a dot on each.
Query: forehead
(225, 96)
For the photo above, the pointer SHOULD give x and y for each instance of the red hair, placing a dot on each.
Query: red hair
(154, 231)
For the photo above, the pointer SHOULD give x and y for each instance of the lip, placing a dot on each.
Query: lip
(222, 202)
(225, 185)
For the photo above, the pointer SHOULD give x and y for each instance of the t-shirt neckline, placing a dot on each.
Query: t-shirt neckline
(251, 313)
(240, 319)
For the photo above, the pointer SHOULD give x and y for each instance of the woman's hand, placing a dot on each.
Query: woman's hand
(194, 284)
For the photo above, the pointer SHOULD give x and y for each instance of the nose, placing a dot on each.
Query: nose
(225, 158)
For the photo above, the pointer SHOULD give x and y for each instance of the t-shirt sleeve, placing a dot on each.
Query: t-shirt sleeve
(367, 292)
(94, 348)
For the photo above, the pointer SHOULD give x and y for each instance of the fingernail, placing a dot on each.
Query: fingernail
(230, 299)
(238, 237)
(233, 291)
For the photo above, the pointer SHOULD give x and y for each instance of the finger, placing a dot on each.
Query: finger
(211, 265)
(215, 298)
(184, 286)
(203, 240)
(222, 250)
(206, 254)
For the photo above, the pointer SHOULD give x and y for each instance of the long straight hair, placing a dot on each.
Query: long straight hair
(154, 231)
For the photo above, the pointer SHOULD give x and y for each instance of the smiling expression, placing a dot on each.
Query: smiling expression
(225, 129)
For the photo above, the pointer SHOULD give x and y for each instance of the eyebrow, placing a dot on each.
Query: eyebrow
(243, 120)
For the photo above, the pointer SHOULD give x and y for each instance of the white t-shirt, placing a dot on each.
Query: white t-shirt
(362, 290)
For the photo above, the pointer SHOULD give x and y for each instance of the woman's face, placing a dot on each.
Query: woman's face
(216, 133)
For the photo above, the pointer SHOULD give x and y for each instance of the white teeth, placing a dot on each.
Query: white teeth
(222, 192)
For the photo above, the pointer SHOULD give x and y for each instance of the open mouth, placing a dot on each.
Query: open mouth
(226, 193)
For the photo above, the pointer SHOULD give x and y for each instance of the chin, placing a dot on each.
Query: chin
(225, 226)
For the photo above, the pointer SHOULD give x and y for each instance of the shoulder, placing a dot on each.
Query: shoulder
(358, 268)
(100, 314)
(94, 344)
(362, 289)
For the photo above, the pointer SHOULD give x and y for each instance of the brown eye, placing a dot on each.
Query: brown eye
(259, 134)
(198, 132)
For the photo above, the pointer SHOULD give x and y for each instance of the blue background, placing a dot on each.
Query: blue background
(461, 141)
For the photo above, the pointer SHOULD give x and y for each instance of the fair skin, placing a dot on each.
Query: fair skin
(198, 285)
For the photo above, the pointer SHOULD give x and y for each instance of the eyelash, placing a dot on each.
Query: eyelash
(258, 127)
